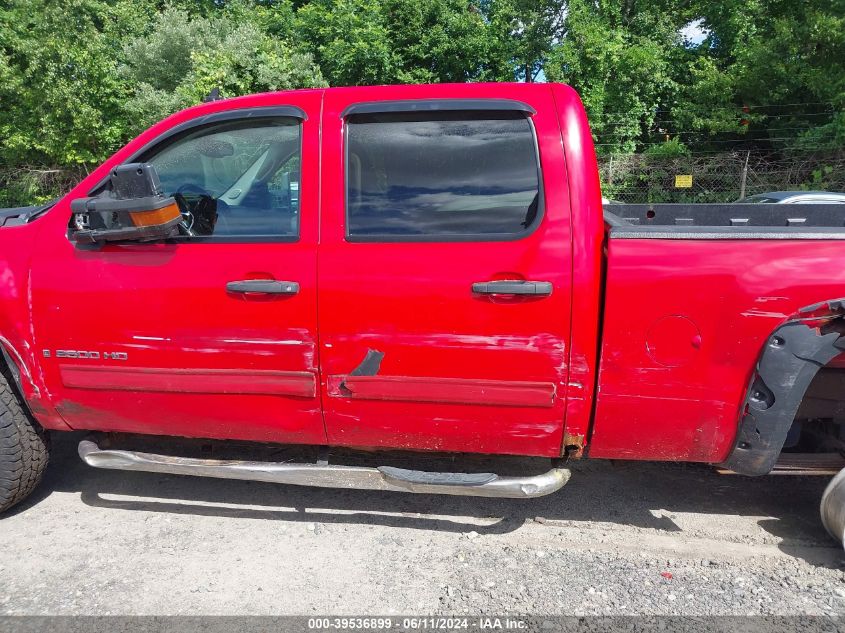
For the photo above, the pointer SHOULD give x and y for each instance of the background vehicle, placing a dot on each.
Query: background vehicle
(422, 268)
(796, 197)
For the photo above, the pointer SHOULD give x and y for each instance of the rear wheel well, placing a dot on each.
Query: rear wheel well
(787, 365)
(819, 424)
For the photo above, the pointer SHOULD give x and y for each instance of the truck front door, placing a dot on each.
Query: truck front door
(211, 334)
(445, 270)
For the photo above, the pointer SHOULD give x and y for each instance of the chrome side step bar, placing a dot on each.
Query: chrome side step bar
(331, 476)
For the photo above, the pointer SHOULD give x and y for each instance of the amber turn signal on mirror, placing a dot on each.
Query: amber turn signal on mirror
(155, 216)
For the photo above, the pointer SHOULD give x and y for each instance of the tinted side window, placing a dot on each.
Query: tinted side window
(424, 176)
(236, 178)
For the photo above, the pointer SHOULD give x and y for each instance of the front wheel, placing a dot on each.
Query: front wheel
(24, 448)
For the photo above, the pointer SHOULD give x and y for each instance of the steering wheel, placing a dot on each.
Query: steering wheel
(187, 214)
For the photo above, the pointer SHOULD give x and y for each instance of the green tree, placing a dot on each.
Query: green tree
(61, 96)
(350, 41)
(78, 78)
(524, 33)
(785, 64)
(439, 41)
(182, 58)
(621, 62)
(361, 42)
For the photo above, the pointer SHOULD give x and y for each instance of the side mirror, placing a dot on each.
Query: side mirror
(133, 208)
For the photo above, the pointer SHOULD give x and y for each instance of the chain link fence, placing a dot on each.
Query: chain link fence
(632, 178)
(723, 177)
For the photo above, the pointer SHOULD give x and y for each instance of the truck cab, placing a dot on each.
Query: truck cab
(396, 216)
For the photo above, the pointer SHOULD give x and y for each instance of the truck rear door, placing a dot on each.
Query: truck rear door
(445, 269)
(210, 335)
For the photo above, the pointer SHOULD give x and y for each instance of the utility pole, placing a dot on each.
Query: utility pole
(744, 177)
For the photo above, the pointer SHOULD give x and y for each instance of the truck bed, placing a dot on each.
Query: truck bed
(726, 221)
(692, 294)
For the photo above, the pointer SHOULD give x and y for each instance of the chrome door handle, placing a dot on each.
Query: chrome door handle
(263, 286)
(513, 287)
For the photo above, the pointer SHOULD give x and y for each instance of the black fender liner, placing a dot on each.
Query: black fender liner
(792, 356)
(11, 366)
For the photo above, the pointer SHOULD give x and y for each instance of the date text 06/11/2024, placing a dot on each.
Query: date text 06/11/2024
(416, 623)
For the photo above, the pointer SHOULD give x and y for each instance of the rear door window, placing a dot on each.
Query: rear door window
(441, 176)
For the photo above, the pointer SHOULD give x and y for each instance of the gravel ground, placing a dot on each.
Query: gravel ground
(624, 538)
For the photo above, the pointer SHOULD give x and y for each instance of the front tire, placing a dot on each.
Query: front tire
(24, 448)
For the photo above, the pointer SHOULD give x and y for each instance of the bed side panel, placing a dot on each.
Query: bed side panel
(685, 321)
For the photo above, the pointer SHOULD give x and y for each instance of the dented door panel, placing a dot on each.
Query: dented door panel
(457, 370)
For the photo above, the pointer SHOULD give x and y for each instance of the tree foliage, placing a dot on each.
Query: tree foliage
(61, 95)
(181, 59)
(78, 78)
(360, 42)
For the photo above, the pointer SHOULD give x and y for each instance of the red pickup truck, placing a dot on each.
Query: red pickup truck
(415, 268)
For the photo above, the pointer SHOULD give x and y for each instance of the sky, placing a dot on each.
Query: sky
(694, 32)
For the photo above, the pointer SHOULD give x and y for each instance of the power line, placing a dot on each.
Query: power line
(789, 105)
(739, 153)
(735, 141)
(802, 115)
(707, 134)
(740, 108)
